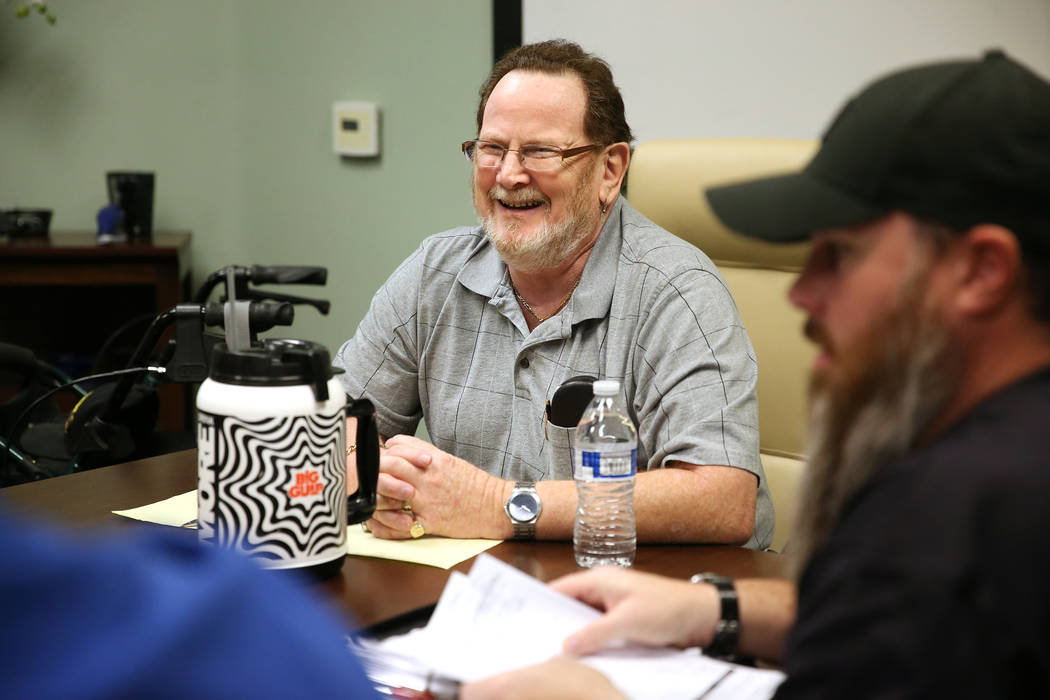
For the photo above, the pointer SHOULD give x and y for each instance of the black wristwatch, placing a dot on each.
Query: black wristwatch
(727, 630)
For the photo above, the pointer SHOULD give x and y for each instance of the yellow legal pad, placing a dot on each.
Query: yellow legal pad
(442, 552)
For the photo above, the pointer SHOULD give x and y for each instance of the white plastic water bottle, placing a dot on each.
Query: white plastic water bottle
(605, 463)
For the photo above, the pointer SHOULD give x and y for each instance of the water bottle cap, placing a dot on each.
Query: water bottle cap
(606, 387)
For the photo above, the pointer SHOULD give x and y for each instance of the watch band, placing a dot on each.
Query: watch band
(524, 531)
(727, 629)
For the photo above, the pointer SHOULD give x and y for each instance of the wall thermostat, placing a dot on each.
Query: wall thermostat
(355, 128)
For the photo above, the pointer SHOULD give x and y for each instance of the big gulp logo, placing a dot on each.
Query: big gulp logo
(307, 485)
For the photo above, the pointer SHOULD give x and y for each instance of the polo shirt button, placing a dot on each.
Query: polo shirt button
(523, 363)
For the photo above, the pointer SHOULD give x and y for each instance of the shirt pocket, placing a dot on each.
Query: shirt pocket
(558, 446)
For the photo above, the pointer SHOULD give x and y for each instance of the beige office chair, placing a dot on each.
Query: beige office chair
(665, 183)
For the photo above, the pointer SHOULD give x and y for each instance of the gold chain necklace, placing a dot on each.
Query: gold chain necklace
(561, 304)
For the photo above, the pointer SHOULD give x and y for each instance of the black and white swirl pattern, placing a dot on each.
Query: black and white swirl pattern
(274, 488)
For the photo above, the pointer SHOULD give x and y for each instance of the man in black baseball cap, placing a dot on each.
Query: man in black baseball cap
(921, 540)
(921, 550)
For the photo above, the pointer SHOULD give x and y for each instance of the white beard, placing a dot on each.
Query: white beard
(554, 243)
(877, 413)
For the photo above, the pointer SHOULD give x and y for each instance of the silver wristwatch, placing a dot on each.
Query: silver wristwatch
(524, 508)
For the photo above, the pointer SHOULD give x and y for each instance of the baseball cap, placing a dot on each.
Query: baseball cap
(959, 142)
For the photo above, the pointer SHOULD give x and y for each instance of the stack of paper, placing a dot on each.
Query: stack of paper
(498, 618)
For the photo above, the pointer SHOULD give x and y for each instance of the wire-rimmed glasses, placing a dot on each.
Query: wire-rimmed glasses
(486, 154)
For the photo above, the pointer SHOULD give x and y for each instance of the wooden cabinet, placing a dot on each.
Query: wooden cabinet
(65, 297)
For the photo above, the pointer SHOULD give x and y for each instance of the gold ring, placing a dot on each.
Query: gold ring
(364, 526)
(407, 508)
(417, 530)
(350, 449)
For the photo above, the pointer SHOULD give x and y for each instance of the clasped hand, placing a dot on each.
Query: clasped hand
(448, 496)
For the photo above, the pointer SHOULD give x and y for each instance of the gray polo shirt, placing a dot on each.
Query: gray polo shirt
(445, 340)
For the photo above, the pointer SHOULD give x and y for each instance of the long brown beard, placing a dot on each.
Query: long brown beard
(875, 412)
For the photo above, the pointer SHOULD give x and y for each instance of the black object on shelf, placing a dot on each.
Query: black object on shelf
(132, 192)
(25, 223)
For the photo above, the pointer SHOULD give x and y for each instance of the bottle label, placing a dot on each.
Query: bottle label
(605, 465)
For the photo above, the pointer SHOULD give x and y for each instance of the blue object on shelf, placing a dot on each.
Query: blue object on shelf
(109, 218)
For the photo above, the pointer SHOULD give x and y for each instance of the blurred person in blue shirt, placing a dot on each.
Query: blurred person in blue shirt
(158, 615)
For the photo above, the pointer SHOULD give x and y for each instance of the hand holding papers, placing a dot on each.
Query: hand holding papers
(498, 619)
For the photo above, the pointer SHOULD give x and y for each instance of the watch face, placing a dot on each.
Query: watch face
(523, 507)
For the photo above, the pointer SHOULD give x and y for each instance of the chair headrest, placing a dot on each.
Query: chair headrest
(666, 182)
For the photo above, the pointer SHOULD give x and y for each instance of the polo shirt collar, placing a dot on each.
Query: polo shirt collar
(593, 297)
(484, 272)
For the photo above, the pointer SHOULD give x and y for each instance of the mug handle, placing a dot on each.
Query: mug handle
(362, 503)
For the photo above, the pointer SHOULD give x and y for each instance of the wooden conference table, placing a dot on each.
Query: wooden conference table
(377, 593)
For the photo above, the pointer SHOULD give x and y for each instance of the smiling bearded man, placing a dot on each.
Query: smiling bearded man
(478, 328)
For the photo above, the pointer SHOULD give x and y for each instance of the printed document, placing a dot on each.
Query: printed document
(498, 618)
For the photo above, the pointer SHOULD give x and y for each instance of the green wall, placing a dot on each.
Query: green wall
(229, 102)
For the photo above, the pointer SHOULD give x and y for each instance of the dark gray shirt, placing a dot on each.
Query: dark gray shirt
(445, 340)
(933, 582)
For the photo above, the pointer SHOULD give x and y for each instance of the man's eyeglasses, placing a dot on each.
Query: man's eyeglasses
(485, 154)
